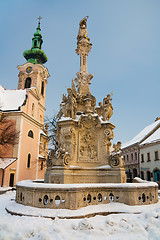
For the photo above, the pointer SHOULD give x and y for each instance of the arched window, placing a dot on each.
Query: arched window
(29, 161)
(35, 43)
(42, 88)
(27, 83)
(30, 134)
(41, 165)
(32, 113)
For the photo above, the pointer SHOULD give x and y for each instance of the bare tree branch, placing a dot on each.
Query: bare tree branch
(52, 131)
(8, 134)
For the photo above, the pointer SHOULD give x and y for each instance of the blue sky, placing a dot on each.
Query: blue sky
(125, 56)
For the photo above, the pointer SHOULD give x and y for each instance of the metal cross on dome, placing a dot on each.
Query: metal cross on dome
(39, 18)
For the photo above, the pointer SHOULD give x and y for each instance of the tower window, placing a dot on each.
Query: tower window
(29, 161)
(41, 165)
(35, 43)
(42, 88)
(27, 83)
(30, 134)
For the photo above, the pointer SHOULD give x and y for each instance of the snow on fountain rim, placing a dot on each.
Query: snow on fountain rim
(36, 184)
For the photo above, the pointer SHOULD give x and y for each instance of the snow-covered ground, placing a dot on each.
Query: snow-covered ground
(143, 226)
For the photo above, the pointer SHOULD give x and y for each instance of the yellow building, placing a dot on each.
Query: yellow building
(25, 107)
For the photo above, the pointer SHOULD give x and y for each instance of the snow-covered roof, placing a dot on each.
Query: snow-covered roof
(43, 133)
(40, 156)
(153, 138)
(11, 100)
(5, 162)
(142, 134)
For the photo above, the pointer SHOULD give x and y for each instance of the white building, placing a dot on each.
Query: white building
(149, 157)
(140, 153)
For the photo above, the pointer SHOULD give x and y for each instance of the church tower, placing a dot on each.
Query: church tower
(33, 141)
(33, 76)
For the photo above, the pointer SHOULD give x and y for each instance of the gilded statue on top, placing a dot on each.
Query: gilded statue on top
(83, 29)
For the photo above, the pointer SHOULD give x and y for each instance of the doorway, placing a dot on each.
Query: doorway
(156, 175)
(11, 181)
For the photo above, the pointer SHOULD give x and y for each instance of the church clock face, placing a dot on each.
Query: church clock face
(28, 69)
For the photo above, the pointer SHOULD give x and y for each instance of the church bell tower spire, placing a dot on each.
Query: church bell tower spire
(33, 77)
(35, 54)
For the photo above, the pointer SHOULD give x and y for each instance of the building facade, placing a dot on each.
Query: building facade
(149, 157)
(26, 108)
(131, 158)
(141, 154)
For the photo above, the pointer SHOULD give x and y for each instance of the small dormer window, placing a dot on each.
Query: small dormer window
(42, 88)
(27, 83)
(30, 134)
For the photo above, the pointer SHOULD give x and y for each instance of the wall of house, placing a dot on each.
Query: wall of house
(29, 145)
(149, 166)
(130, 156)
(25, 146)
(11, 169)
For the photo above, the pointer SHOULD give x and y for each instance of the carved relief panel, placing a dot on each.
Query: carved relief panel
(67, 138)
(88, 147)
